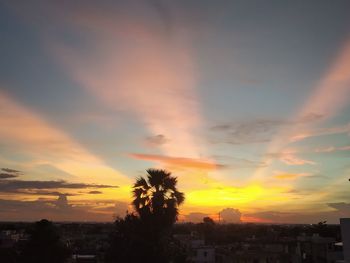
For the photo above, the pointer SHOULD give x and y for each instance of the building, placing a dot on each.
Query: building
(345, 233)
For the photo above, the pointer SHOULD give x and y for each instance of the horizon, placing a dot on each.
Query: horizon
(246, 103)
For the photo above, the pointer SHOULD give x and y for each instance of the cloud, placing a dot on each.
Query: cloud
(179, 162)
(195, 217)
(8, 170)
(60, 209)
(62, 202)
(259, 130)
(320, 132)
(234, 162)
(289, 157)
(331, 149)
(342, 207)
(16, 185)
(95, 192)
(231, 215)
(156, 140)
(7, 175)
(41, 192)
(289, 176)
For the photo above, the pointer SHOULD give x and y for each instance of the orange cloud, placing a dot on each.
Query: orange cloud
(179, 162)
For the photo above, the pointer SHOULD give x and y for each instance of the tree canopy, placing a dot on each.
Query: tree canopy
(157, 198)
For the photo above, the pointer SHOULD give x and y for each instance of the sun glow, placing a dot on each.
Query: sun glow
(226, 196)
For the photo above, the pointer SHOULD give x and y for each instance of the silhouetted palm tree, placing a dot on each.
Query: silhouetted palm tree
(156, 201)
(157, 198)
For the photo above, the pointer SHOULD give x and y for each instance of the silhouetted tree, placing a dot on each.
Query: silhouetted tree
(157, 198)
(146, 236)
(44, 245)
(208, 220)
(129, 241)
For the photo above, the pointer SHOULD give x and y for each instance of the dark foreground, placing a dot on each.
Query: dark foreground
(204, 242)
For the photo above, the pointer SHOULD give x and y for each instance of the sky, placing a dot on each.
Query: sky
(247, 103)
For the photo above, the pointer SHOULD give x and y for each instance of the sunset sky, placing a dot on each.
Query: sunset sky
(246, 102)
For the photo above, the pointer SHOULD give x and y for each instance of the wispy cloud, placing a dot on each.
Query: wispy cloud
(8, 170)
(331, 149)
(288, 175)
(156, 140)
(154, 78)
(95, 192)
(259, 130)
(321, 132)
(7, 175)
(235, 162)
(179, 162)
(289, 157)
(14, 185)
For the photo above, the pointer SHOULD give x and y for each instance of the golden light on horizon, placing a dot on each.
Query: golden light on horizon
(233, 196)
